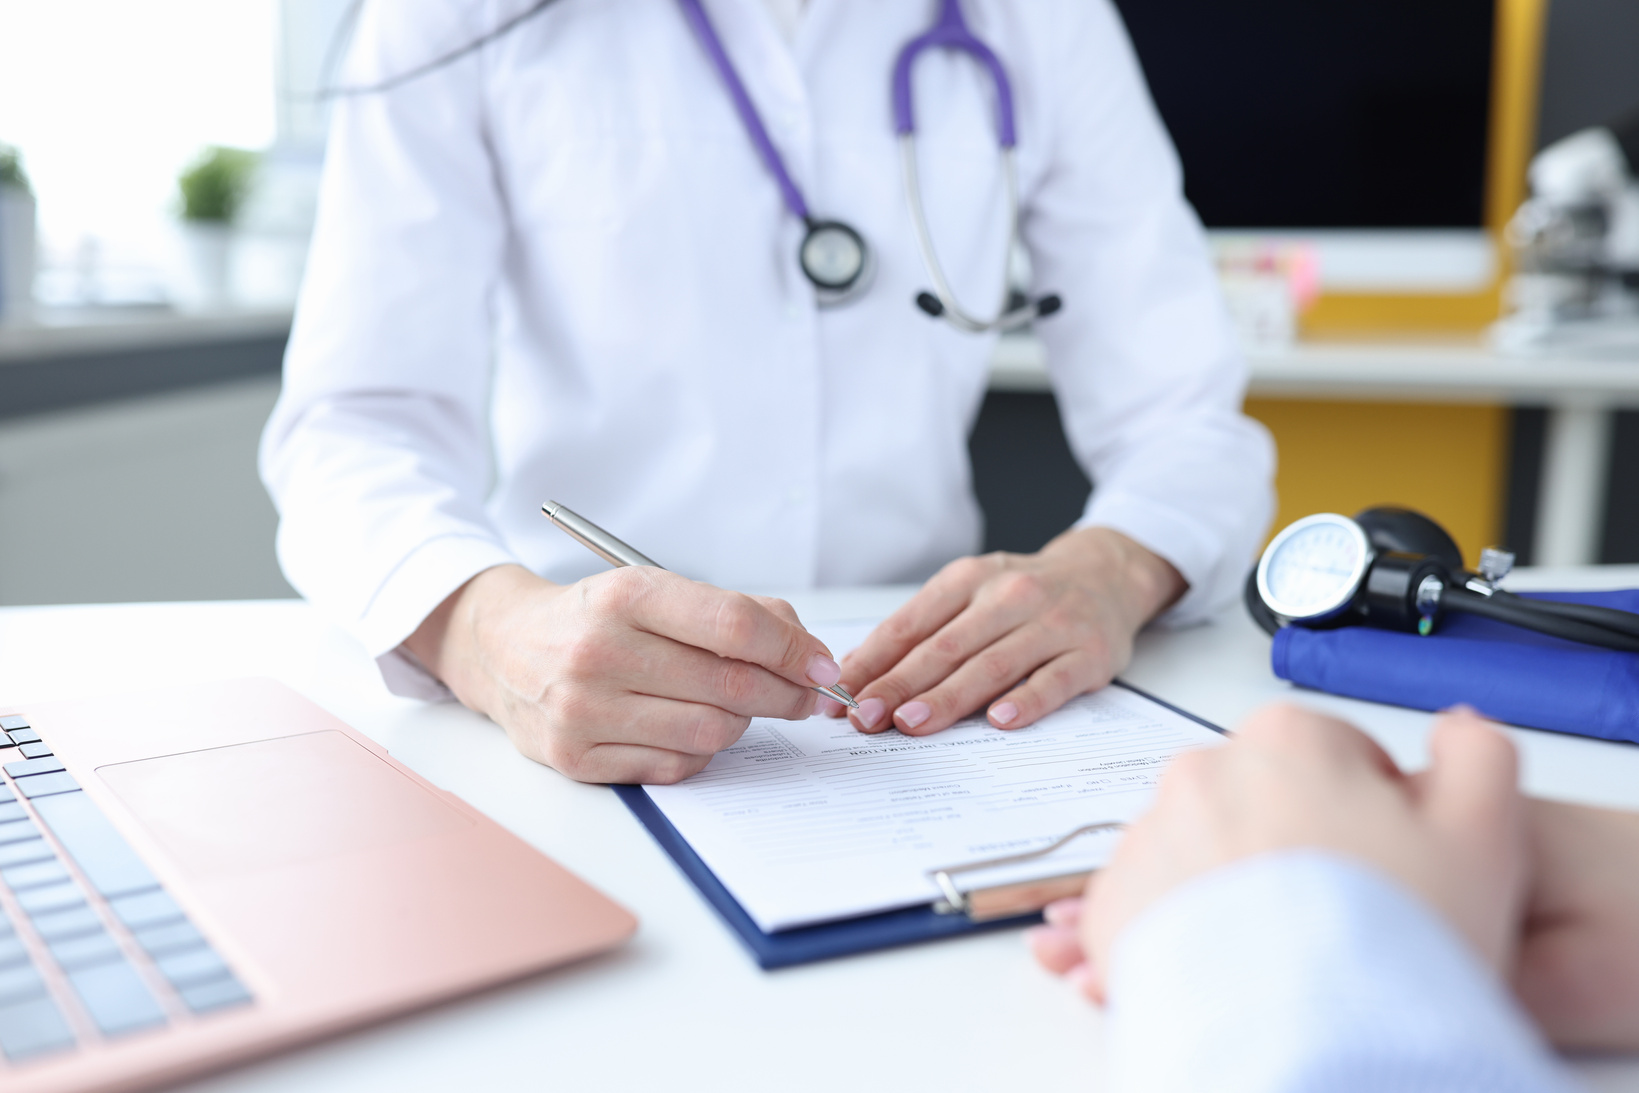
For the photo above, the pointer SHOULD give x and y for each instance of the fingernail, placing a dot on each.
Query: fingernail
(1003, 713)
(870, 712)
(823, 670)
(1080, 977)
(913, 713)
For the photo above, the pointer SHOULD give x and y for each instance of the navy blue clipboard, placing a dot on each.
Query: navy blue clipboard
(808, 944)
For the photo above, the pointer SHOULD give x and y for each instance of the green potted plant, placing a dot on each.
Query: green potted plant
(211, 189)
(17, 236)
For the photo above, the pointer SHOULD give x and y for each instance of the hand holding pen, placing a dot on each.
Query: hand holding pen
(617, 553)
(629, 675)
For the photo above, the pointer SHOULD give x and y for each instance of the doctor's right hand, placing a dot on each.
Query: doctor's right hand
(632, 675)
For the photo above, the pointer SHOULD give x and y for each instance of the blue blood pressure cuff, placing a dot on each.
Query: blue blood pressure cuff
(1508, 674)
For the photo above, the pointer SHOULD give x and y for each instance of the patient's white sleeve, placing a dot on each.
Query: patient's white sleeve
(1302, 971)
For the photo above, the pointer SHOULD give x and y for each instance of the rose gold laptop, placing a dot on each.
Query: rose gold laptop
(191, 879)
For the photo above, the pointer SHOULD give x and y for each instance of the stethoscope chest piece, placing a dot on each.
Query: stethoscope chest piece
(836, 260)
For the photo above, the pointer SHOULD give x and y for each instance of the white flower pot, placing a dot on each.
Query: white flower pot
(267, 268)
(17, 252)
(207, 250)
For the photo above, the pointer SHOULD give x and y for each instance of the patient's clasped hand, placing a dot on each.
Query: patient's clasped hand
(1334, 920)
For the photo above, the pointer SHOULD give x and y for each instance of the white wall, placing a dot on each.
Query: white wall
(145, 499)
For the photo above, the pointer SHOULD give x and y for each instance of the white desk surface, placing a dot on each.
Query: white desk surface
(682, 1006)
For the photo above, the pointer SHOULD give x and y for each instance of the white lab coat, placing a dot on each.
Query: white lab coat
(557, 269)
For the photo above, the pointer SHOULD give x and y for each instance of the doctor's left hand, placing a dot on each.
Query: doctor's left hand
(1024, 633)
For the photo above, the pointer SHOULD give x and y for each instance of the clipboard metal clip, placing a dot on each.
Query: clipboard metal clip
(1019, 897)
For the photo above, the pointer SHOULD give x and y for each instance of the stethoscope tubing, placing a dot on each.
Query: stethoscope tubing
(1609, 618)
(954, 311)
(795, 204)
(1588, 624)
(950, 31)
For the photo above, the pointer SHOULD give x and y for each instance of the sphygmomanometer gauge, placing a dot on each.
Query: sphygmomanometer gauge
(1312, 570)
(1396, 569)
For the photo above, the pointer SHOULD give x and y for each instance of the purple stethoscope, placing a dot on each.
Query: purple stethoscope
(833, 255)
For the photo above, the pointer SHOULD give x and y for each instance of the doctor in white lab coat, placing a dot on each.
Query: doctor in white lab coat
(556, 268)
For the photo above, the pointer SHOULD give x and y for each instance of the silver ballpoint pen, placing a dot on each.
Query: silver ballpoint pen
(617, 553)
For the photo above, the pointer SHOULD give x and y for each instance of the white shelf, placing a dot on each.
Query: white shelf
(1455, 371)
(85, 331)
(1414, 371)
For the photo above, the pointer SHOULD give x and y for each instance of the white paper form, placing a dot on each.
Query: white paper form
(811, 821)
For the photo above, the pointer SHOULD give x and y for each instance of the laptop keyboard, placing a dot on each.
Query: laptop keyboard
(91, 944)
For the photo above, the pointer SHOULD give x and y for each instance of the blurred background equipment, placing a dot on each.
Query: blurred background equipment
(1367, 153)
(1577, 245)
(1301, 125)
(1389, 136)
(1268, 285)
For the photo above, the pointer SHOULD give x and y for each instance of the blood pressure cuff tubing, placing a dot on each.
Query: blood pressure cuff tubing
(1508, 674)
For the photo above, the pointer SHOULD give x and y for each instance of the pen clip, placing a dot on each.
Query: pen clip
(1017, 897)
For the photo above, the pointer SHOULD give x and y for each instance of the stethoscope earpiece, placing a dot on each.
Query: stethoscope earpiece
(1037, 309)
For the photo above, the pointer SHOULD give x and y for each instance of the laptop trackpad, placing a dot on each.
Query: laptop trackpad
(276, 802)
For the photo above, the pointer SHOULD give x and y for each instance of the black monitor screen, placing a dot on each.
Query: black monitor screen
(1323, 113)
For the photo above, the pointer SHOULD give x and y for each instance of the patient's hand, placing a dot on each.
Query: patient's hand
(1453, 835)
(1578, 970)
(1024, 633)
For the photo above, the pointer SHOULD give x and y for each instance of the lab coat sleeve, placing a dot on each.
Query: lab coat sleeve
(1302, 971)
(1142, 356)
(377, 455)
